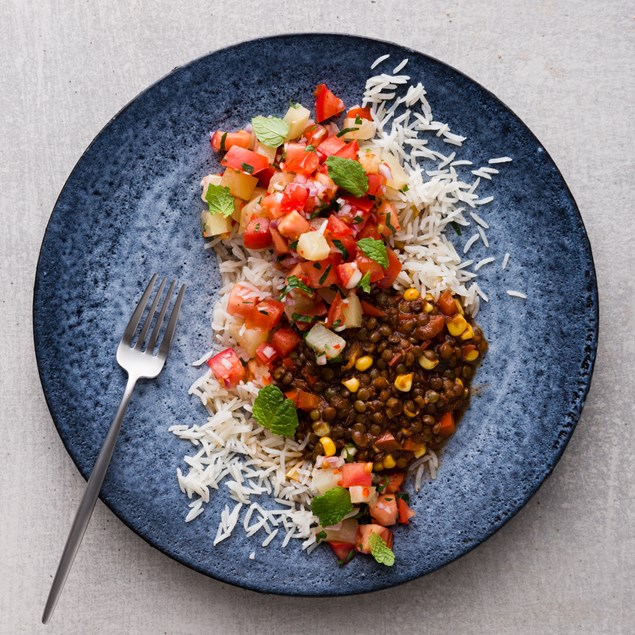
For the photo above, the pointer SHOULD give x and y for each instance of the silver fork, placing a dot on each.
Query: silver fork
(139, 361)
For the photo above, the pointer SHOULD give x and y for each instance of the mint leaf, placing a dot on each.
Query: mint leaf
(375, 250)
(364, 283)
(270, 131)
(293, 282)
(380, 550)
(348, 174)
(274, 412)
(332, 506)
(219, 200)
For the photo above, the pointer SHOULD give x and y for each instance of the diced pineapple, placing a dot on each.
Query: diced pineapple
(370, 161)
(399, 177)
(240, 184)
(365, 130)
(249, 339)
(313, 246)
(297, 118)
(325, 342)
(352, 312)
(251, 209)
(266, 151)
(214, 224)
(210, 179)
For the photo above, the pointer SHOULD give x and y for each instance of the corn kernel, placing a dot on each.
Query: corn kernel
(471, 356)
(457, 325)
(364, 363)
(404, 382)
(468, 334)
(389, 462)
(321, 428)
(419, 452)
(352, 384)
(426, 363)
(410, 294)
(428, 307)
(459, 382)
(328, 445)
(429, 297)
(459, 308)
(294, 474)
(378, 466)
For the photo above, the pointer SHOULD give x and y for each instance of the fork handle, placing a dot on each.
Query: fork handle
(87, 505)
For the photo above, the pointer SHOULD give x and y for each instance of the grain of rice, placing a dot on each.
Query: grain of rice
(517, 294)
(505, 261)
(500, 160)
(479, 220)
(482, 263)
(270, 537)
(483, 236)
(399, 66)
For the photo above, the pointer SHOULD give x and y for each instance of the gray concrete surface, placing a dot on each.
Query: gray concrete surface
(566, 563)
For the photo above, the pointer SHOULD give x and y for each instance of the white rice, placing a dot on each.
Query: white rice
(230, 450)
(517, 294)
(505, 261)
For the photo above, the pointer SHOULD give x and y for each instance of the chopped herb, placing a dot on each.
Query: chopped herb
(357, 220)
(332, 506)
(219, 200)
(348, 174)
(270, 131)
(325, 275)
(274, 412)
(375, 250)
(293, 245)
(321, 535)
(358, 120)
(222, 142)
(364, 283)
(404, 496)
(297, 317)
(294, 104)
(340, 245)
(380, 550)
(456, 227)
(349, 556)
(309, 148)
(345, 131)
(247, 168)
(405, 188)
(293, 282)
(317, 265)
(263, 312)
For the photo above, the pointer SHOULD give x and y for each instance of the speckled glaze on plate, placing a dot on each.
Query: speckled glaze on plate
(131, 207)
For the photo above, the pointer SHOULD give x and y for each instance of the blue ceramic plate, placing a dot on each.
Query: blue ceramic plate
(131, 207)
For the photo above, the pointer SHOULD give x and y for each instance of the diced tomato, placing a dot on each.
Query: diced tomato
(447, 427)
(315, 134)
(266, 353)
(446, 303)
(432, 328)
(343, 550)
(376, 184)
(387, 442)
(258, 234)
(384, 510)
(265, 315)
(404, 511)
(223, 141)
(227, 367)
(335, 315)
(349, 274)
(372, 310)
(362, 204)
(285, 341)
(364, 113)
(259, 372)
(279, 243)
(388, 219)
(326, 104)
(370, 230)
(348, 151)
(307, 400)
(293, 225)
(364, 532)
(367, 264)
(392, 271)
(293, 198)
(270, 205)
(413, 446)
(357, 474)
(329, 146)
(337, 228)
(321, 273)
(245, 160)
(299, 160)
(242, 301)
(393, 482)
(264, 176)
